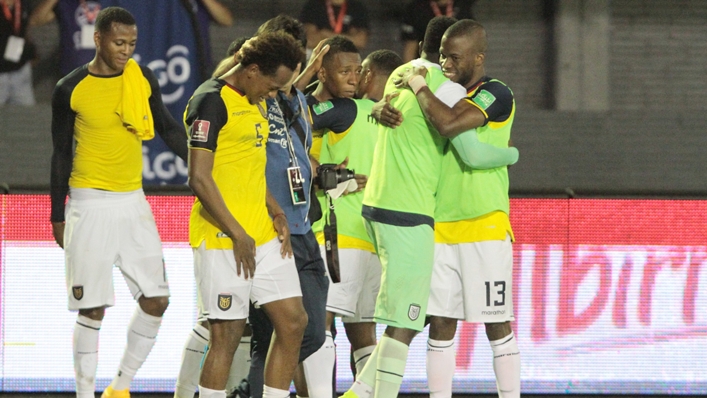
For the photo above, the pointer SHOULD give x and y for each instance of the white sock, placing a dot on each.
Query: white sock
(240, 365)
(142, 332)
(319, 369)
(506, 365)
(271, 392)
(361, 356)
(392, 358)
(192, 356)
(440, 367)
(209, 393)
(86, 355)
(365, 381)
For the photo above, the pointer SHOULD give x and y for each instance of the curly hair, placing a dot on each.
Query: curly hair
(270, 50)
(108, 15)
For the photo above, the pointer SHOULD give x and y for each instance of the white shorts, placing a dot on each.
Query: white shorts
(354, 297)
(105, 228)
(222, 294)
(473, 281)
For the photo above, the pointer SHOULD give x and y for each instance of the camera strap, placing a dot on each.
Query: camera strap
(331, 244)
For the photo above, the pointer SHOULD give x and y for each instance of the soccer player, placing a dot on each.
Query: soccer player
(398, 205)
(109, 106)
(351, 137)
(235, 224)
(473, 274)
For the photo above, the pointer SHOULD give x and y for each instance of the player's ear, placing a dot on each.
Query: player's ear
(321, 75)
(419, 49)
(252, 70)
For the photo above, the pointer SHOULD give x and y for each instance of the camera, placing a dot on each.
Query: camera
(328, 176)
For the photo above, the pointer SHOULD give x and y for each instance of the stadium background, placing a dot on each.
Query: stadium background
(611, 98)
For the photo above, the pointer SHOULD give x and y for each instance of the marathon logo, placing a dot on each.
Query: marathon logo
(494, 312)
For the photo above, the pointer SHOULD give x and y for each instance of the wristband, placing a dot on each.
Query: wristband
(278, 215)
(417, 83)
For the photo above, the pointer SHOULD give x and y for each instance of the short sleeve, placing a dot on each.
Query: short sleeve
(495, 99)
(337, 115)
(205, 116)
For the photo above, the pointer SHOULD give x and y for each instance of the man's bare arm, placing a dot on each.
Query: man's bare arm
(449, 122)
(201, 181)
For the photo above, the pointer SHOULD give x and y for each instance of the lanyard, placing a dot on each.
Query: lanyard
(338, 24)
(90, 14)
(17, 17)
(290, 145)
(438, 12)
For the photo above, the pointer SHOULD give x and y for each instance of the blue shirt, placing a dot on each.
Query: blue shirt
(283, 140)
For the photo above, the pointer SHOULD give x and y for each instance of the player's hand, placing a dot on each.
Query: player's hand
(246, 45)
(361, 180)
(343, 164)
(283, 234)
(244, 252)
(58, 232)
(317, 57)
(404, 77)
(385, 113)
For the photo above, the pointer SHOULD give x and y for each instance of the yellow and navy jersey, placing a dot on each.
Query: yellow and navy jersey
(107, 156)
(220, 119)
(493, 98)
(339, 120)
(472, 205)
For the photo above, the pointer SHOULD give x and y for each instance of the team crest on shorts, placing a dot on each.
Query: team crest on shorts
(77, 291)
(224, 301)
(414, 312)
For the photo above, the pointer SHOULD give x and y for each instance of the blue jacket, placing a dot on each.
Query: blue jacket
(279, 158)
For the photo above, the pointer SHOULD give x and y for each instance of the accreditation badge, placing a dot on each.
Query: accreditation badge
(15, 47)
(294, 176)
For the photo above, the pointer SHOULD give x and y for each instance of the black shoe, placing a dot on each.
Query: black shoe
(240, 391)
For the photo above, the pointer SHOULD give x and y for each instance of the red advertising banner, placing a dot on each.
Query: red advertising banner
(610, 297)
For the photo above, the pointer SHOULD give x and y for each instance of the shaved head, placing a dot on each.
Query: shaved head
(471, 30)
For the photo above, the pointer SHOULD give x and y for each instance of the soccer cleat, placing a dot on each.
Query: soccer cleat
(349, 394)
(109, 392)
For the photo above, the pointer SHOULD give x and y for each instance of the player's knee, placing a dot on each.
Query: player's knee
(496, 331)
(96, 314)
(224, 336)
(442, 328)
(155, 306)
(294, 324)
